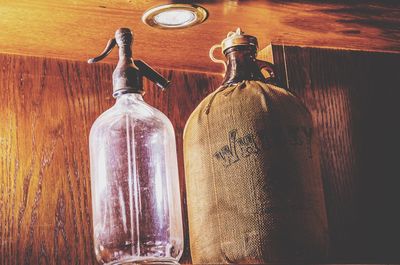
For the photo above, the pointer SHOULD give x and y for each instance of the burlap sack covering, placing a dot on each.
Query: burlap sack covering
(253, 179)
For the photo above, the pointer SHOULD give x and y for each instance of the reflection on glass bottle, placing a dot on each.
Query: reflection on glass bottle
(134, 173)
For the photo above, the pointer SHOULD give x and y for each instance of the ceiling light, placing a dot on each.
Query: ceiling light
(174, 16)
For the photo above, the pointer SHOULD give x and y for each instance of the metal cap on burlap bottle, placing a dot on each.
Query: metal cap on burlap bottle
(238, 38)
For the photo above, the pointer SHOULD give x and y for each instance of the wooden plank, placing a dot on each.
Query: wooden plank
(353, 98)
(77, 30)
(46, 111)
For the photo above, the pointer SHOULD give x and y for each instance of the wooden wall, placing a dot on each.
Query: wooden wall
(354, 100)
(47, 107)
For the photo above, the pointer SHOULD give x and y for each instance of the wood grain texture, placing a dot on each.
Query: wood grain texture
(78, 30)
(46, 111)
(353, 97)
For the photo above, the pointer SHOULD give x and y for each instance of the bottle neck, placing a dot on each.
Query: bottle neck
(128, 98)
(242, 65)
(125, 54)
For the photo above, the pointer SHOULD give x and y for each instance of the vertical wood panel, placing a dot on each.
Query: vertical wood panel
(353, 97)
(46, 110)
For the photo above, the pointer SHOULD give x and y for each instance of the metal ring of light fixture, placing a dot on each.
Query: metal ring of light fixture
(175, 16)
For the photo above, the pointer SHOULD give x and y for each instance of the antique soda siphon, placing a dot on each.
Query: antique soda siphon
(134, 173)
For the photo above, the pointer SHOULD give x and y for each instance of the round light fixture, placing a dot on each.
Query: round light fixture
(175, 16)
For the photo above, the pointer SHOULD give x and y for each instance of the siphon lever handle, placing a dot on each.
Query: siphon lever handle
(152, 74)
(110, 45)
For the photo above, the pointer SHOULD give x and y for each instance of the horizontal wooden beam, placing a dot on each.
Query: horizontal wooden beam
(78, 30)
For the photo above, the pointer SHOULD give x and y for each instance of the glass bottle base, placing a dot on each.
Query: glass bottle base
(145, 261)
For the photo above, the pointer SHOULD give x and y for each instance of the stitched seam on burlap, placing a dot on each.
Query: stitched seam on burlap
(215, 188)
(218, 90)
(208, 107)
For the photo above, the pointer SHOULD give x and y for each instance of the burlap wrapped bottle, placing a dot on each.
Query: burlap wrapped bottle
(253, 178)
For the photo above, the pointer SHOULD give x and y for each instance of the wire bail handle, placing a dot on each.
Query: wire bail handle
(215, 60)
(216, 46)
